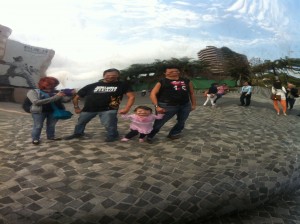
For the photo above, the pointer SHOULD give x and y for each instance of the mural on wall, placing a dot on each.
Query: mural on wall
(21, 65)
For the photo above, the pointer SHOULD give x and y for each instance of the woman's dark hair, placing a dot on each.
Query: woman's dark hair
(277, 84)
(143, 108)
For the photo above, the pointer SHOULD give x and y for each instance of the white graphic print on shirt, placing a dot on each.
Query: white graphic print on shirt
(105, 89)
(179, 85)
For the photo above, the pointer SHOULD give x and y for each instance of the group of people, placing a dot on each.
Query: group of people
(215, 92)
(285, 96)
(172, 95)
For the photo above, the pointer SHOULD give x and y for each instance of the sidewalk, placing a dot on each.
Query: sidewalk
(230, 159)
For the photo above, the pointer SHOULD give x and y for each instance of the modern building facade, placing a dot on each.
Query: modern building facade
(220, 59)
(214, 57)
(4, 34)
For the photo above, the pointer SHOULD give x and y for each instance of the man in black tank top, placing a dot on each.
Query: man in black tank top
(172, 96)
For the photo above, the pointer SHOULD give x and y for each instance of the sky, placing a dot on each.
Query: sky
(90, 36)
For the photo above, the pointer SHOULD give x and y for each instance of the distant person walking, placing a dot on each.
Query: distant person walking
(278, 89)
(143, 92)
(211, 94)
(291, 95)
(102, 98)
(222, 89)
(141, 122)
(172, 96)
(246, 93)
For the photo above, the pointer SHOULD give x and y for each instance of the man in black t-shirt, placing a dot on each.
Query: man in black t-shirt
(103, 99)
(172, 96)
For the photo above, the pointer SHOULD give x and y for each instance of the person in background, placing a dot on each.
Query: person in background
(143, 92)
(42, 110)
(246, 93)
(222, 89)
(172, 96)
(102, 98)
(211, 94)
(278, 89)
(141, 122)
(291, 95)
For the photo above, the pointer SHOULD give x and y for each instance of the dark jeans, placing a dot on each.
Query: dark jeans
(133, 133)
(290, 102)
(181, 111)
(218, 97)
(108, 119)
(247, 97)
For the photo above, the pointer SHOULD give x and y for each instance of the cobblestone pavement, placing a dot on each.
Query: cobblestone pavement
(233, 165)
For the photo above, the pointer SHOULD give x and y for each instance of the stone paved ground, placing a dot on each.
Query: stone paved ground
(233, 165)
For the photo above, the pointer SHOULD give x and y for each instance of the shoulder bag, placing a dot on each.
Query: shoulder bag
(60, 113)
(275, 97)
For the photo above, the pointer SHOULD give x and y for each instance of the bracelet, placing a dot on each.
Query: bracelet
(155, 105)
(76, 107)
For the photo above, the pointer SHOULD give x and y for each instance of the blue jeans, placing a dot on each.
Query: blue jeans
(38, 122)
(181, 111)
(107, 118)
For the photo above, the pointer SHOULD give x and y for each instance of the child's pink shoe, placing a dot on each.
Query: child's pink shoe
(141, 140)
(124, 140)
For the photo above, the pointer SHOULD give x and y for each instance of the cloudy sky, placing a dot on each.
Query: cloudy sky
(89, 36)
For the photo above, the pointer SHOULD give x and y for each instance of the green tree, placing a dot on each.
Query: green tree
(282, 68)
(235, 65)
(188, 67)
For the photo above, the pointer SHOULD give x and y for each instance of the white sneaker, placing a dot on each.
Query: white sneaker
(278, 113)
(284, 114)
